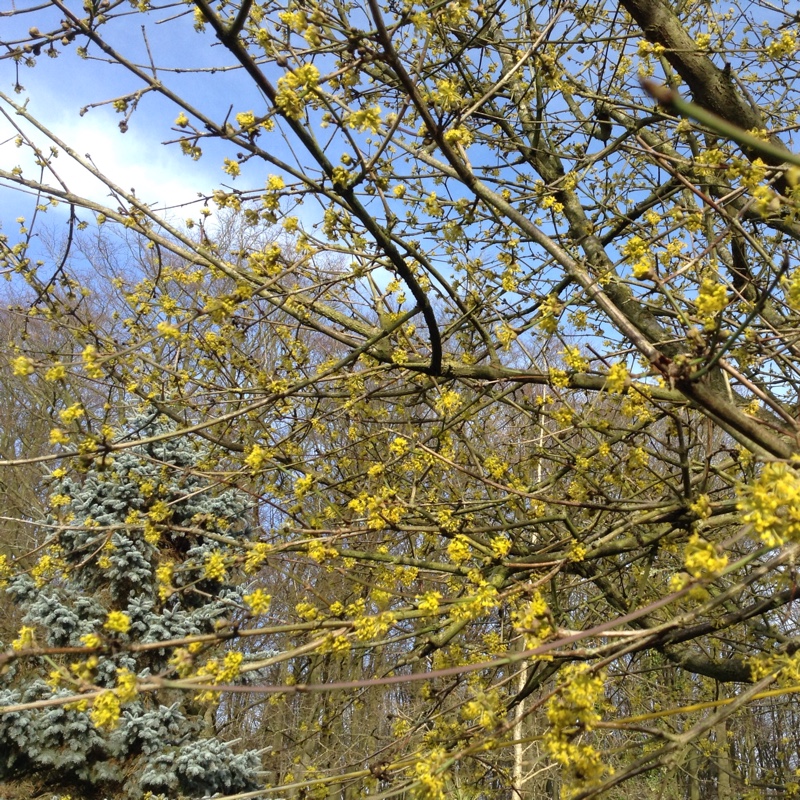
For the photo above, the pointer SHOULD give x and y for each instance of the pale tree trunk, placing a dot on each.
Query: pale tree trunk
(518, 779)
(723, 757)
(694, 778)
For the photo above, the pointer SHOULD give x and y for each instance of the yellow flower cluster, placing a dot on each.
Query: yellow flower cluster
(459, 550)
(374, 626)
(26, 638)
(638, 253)
(701, 559)
(533, 621)
(214, 566)
(5, 569)
(258, 601)
(399, 446)
(366, 119)
(483, 600)
(164, 575)
(712, 300)
(428, 603)
(430, 777)
(22, 366)
(772, 504)
(572, 709)
(500, 546)
(117, 622)
(105, 711)
(785, 46)
(486, 709)
(294, 88)
(547, 321)
(224, 672)
(257, 458)
(255, 557)
(380, 508)
(616, 379)
(574, 359)
(319, 551)
(495, 466)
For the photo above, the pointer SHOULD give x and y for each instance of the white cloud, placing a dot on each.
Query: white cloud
(161, 176)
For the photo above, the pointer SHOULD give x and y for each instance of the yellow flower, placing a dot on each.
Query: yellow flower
(170, 331)
(772, 504)
(117, 622)
(399, 446)
(91, 640)
(231, 666)
(258, 601)
(306, 611)
(701, 559)
(255, 557)
(366, 119)
(72, 413)
(5, 569)
(231, 167)
(126, 685)
(245, 119)
(712, 299)
(500, 546)
(26, 638)
(428, 603)
(22, 366)
(616, 378)
(57, 436)
(302, 485)
(105, 711)
(56, 373)
(459, 549)
(257, 458)
(214, 567)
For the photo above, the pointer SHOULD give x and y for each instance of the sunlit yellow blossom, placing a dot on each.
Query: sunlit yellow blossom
(616, 378)
(56, 373)
(575, 703)
(72, 413)
(429, 602)
(214, 566)
(258, 601)
(366, 119)
(501, 545)
(5, 569)
(25, 638)
(257, 458)
(245, 119)
(459, 550)
(712, 299)
(306, 611)
(231, 167)
(399, 446)
(772, 504)
(126, 685)
(117, 622)
(105, 711)
(255, 557)
(701, 559)
(22, 366)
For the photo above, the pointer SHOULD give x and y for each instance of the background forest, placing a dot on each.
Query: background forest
(445, 445)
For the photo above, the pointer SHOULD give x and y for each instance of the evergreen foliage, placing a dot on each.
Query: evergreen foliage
(115, 521)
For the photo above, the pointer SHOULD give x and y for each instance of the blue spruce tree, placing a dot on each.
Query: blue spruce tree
(133, 559)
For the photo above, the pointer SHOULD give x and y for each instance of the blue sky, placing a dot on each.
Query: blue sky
(57, 89)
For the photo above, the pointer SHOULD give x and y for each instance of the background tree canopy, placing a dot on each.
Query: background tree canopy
(448, 446)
